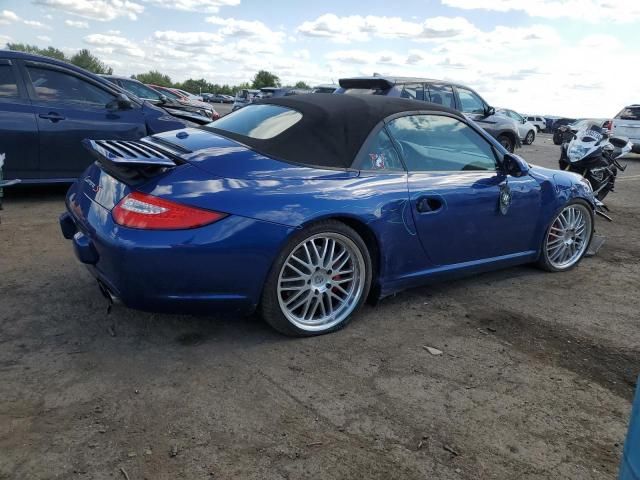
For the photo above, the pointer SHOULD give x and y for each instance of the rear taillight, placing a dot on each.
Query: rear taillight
(147, 212)
(608, 125)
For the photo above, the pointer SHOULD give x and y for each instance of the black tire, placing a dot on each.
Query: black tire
(543, 261)
(537, 129)
(270, 308)
(531, 136)
(507, 142)
(635, 148)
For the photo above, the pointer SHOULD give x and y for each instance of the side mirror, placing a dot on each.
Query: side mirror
(488, 111)
(121, 102)
(164, 99)
(524, 120)
(514, 165)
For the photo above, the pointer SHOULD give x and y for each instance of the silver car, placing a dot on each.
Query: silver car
(452, 95)
(526, 129)
(627, 124)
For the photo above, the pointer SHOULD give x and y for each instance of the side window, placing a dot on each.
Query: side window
(378, 154)
(55, 86)
(442, 95)
(436, 143)
(413, 91)
(8, 82)
(470, 102)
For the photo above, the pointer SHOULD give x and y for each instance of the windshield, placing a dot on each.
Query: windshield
(258, 121)
(140, 90)
(170, 94)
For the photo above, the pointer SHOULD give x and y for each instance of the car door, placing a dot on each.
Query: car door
(522, 128)
(71, 107)
(456, 188)
(18, 126)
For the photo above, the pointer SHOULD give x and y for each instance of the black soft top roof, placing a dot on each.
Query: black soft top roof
(332, 129)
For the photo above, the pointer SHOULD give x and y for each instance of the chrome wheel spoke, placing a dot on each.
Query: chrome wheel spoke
(321, 281)
(568, 236)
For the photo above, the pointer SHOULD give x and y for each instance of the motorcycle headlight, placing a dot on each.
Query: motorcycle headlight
(576, 152)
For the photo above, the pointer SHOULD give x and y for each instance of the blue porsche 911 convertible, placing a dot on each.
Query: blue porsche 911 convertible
(303, 207)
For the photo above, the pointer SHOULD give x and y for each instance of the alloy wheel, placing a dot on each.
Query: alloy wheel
(569, 236)
(321, 281)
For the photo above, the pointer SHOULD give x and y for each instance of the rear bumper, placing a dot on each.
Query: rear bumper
(219, 267)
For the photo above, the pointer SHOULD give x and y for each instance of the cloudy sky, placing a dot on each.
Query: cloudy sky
(565, 57)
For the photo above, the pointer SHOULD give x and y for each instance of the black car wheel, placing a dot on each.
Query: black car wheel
(319, 280)
(507, 142)
(528, 140)
(557, 138)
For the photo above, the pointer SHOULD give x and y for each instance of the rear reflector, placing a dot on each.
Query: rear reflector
(147, 212)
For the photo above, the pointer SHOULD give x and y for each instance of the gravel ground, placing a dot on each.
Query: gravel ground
(535, 380)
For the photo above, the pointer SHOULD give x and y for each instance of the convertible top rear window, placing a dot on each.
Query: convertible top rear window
(258, 121)
(317, 130)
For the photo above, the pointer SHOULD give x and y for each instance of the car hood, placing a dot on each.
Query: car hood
(226, 158)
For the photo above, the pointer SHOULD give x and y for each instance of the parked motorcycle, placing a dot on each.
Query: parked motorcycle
(594, 154)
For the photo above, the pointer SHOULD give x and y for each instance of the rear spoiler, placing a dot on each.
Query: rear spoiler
(131, 161)
(128, 153)
(375, 83)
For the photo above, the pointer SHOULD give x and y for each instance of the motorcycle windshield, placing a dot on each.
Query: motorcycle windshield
(586, 140)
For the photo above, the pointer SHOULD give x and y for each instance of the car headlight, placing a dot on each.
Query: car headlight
(586, 184)
(576, 152)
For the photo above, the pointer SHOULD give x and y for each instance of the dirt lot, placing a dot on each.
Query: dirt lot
(535, 380)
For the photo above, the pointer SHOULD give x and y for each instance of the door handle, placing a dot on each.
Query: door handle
(53, 116)
(428, 204)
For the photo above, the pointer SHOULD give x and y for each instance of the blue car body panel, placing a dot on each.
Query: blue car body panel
(630, 464)
(225, 264)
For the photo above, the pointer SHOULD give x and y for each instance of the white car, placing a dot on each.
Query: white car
(526, 130)
(539, 122)
(627, 124)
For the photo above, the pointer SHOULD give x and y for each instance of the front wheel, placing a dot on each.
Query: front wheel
(567, 238)
(319, 280)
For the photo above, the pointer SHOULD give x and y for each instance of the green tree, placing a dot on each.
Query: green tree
(154, 77)
(265, 79)
(196, 86)
(47, 52)
(302, 85)
(85, 59)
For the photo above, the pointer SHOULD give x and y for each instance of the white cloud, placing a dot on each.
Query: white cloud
(202, 6)
(36, 24)
(44, 38)
(359, 28)
(619, 11)
(114, 44)
(102, 10)
(7, 17)
(76, 23)
(187, 39)
(243, 28)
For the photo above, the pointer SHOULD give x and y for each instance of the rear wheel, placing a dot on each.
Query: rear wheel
(507, 142)
(528, 140)
(567, 238)
(319, 280)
